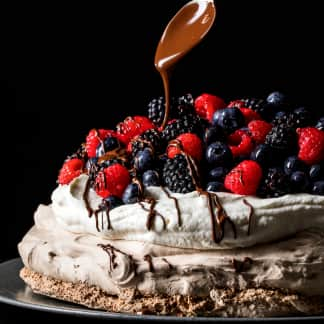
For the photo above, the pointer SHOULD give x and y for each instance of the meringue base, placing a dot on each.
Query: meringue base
(221, 302)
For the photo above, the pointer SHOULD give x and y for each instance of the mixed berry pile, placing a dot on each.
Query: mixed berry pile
(264, 147)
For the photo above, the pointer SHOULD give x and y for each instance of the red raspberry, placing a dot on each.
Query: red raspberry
(70, 170)
(259, 129)
(190, 143)
(240, 143)
(131, 127)
(93, 139)
(311, 145)
(244, 179)
(113, 180)
(249, 114)
(206, 104)
(236, 104)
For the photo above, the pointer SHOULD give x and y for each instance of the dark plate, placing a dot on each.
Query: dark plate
(13, 291)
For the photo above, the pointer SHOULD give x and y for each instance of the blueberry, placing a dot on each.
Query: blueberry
(316, 172)
(109, 144)
(229, 119)
(144, 160)
(263, 154)
(131, 194)
(299, 181)
(113, 202)
(213, 134)
(320, 124)
(215, 186)
(218, 174)
(293, 164)
(276, 98)
(318, 188)
(150, 178)
(219, 154)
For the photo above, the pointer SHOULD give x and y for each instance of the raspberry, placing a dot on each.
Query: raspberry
(131, 127)
(311, 145)
(249, 114)
(240, 143)
(112, 181)
(191, 144)
(236, 104)
(206, 104)
(94, 138)
(70, 170)
(244, 179)
(258, 130)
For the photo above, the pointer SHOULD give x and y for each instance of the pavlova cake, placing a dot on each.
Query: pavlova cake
(220, 213)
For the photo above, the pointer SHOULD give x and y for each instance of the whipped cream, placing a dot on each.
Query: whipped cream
(296, 263)
(271, 219)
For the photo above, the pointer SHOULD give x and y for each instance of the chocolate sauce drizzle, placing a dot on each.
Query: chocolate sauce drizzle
(148, 259)
(221, 217)
(168, 263)
(239, 266)
(176, 203)
(152, 213)
(103, 207)
(110, 250)
(251, 210)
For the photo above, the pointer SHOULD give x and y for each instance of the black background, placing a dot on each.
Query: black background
(67, 69)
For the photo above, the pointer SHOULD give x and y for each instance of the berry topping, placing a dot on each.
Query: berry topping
(206, 105)
(219, 154)
(318, 188)
(215, 186)
(177, 175)
(293, 164)
(230, 119)
(150, 178)
(249, 114)
(108, 144)
(259, 129)
(188, 143)
(213, 134)
(113, 202)
(299, 181)
(112, 181)
(131, 194)
(144, 160)
(131, 127)
(70, 170)
(263, 154)
(94, 138)
(320, 124)
(244, 179)
(311, 145)
(240, 143)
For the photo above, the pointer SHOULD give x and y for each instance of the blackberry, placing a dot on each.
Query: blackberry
(253, 103)
(184, 106)
(275, 183)
(156, 109)
(176, 175)
(263, 108)
(289, 120)
(150, 138)
(187, 124)
(282, 138)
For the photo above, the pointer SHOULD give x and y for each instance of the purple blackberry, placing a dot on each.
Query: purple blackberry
(275, 183)
(156, 109)
(187, 124)
(150, 138)
(177, 176)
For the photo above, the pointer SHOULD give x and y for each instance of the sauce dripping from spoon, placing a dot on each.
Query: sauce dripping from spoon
(185, 30)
